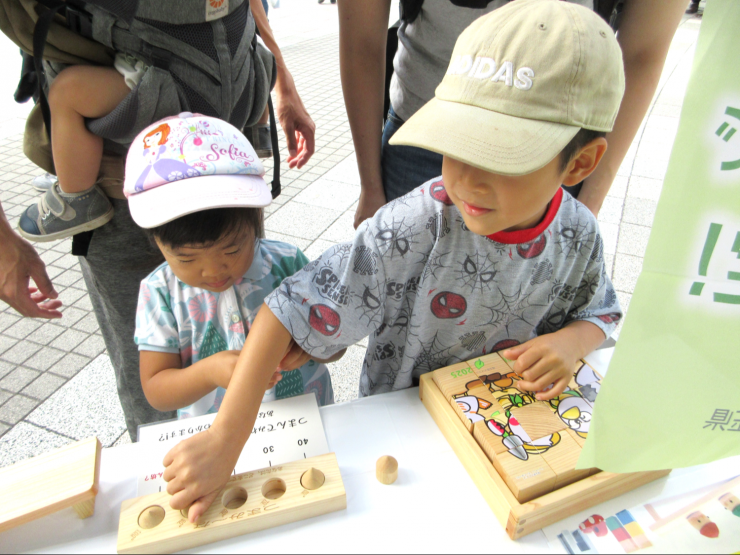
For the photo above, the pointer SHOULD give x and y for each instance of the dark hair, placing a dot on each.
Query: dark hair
(208, 227)
(582, 138)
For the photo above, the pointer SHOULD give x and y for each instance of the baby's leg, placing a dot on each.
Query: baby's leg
(81, 92)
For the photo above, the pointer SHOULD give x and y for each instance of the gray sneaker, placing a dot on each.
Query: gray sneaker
(57, 215)
(44, 182)
(259, 136)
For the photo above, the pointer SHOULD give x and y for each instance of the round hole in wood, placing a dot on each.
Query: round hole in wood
(234, 498)
(151, 517)
(184, 513)
(273, 489)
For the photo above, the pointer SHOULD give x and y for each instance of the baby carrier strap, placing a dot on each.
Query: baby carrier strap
(203, 57)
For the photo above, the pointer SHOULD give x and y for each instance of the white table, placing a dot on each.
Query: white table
(434, 506)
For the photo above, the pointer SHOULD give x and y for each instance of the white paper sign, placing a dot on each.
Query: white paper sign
(285, 430)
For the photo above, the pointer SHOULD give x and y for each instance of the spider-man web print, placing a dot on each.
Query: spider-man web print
(427, 292)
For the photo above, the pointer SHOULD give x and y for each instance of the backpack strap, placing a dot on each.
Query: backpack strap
(40, 32)
(275, 150)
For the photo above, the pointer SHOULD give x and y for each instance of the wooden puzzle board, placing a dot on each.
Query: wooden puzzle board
(524, 494)
(247, 503)
(534, 445)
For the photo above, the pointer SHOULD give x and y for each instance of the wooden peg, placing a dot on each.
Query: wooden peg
(386, 470)
(312, 479)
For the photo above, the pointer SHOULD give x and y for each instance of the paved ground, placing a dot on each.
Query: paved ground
(56, 382)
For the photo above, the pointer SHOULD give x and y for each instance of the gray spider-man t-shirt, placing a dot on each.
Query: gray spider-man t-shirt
(430, 293)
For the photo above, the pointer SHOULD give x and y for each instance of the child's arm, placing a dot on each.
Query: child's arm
(198, 466)
(552, 358)
(297, 357)
(168, 386)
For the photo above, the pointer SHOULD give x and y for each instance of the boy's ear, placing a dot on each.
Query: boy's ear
(584, 162)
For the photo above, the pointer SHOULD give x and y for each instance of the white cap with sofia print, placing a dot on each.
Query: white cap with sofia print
(188, 164)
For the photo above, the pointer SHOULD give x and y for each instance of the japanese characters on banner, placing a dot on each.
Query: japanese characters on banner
(671, 397)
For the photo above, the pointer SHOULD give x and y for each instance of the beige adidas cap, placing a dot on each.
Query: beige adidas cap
(523, 80)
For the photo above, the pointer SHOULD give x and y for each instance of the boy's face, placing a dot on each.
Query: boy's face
(215, 267)
(490, 203)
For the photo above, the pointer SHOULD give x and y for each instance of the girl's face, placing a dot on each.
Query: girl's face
(153, 140)
(215, 267)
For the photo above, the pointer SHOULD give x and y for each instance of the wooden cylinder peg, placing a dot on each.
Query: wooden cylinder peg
(386, 470)
(312, 479)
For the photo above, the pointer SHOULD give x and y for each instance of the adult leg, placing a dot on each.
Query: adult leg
(119, 257)
(405, 167)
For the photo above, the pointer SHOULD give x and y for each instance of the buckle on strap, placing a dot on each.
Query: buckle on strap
(79, 21)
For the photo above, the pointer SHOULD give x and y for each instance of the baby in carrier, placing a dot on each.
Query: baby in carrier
(75, 203)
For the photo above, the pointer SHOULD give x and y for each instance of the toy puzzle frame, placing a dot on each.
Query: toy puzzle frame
(539, 502)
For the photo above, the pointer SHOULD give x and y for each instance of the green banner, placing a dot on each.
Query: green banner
(671, 397)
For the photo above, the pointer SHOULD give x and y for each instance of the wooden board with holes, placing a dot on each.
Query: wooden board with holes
(248, 503)
(63, 478)
(520, 518)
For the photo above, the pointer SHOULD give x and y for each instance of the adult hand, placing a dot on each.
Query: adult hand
(298, 126)
(19, 262)
(371, 199)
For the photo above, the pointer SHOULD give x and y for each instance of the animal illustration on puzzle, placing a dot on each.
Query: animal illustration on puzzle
(533, 445)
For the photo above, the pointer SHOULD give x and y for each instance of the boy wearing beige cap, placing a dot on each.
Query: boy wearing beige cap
(491, 256)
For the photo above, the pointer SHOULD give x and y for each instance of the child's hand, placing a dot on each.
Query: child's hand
(543, 362)
(196, 468)
(276, 377)
(294, 358)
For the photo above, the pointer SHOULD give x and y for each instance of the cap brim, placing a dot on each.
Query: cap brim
(488, 140)
(168, 202)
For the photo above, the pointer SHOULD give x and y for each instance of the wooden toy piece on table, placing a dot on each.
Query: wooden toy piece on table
(489, 366)
(473, 405)
(247, 503)
(386, 470)
(66, 477)
(456, 379)
(523, 455)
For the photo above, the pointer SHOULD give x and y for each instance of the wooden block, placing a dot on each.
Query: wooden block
(584, 375)
(512, 398)
(527, 479)
(247, 503)
(538, 420)
(562, 459)
(575, 412)
(472, 405)
(491, 444)
(520, 519)
(489, 366)
(581, 441)
(456, 379)
(66, 477)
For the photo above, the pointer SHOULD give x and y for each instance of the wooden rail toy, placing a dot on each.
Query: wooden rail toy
(248, 503)
(66, 477)
(520, 452)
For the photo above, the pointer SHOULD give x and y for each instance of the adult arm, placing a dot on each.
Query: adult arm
(298, 126)
(645, 35)
(19, 263)
(363, 28)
